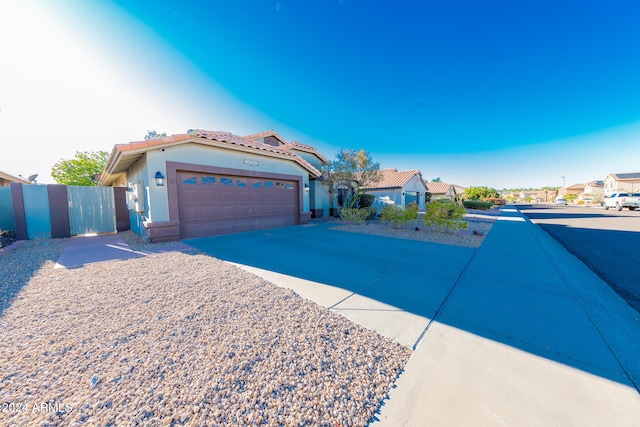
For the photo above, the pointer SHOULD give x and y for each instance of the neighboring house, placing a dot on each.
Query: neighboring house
(574, 189)
(442, 190)
(399, 187)
(615, 182)
(593, 190)
(208, 182)
(6, 179)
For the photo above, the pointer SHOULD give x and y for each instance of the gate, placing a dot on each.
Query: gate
(91, 210)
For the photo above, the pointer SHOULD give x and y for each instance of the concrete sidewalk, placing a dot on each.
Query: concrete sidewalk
(529, 336)
(83, 250)
(517, 333)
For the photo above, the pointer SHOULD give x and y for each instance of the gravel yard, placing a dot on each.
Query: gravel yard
(473, 236)
(178, 339)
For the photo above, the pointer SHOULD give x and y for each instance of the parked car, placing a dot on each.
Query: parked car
(622, 200)
(560, 201)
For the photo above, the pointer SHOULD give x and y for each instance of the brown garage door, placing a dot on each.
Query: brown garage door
(217, 204)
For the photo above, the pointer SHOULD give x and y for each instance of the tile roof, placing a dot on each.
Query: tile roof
(124, 155)
(295, 145)
(392, 178)
(438, 187)
(575, 187)
(595, 184)
(264, 134)
(12, 178)
(443, 188)
(635, 176)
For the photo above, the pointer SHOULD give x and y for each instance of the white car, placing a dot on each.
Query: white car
(560, 201)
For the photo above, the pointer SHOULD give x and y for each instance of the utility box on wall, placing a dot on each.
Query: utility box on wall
(135, 196)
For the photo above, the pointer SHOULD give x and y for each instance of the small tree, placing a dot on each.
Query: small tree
(480, 193)
(81, 169)
(356, 170)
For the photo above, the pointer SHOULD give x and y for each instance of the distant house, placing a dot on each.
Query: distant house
(574, 189)
(442, 190)
(399, 187)
(615, 182)
(593, 190)
(6, 179)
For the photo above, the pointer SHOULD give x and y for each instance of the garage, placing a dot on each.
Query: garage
(204, 183)
(213, 203)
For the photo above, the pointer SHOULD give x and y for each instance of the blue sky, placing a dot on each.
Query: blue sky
(498, 93)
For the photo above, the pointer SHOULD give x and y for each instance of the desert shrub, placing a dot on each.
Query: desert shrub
(398, 216)
(477, 204)
(411, 212)
(373, 212)
(445, 214)
(355, 215)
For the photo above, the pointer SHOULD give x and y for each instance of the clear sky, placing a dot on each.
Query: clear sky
(509, 93)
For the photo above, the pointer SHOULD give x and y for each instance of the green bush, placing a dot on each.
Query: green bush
(355, 215)
(397, 215)
(477, 204)
(411, 212)
(445, 214)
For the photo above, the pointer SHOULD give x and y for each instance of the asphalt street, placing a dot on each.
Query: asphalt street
(606, 241)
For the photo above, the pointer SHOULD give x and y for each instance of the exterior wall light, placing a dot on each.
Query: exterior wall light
(306, 187)
(159, 179)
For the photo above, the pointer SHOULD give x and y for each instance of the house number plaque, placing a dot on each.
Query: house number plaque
(250, 162)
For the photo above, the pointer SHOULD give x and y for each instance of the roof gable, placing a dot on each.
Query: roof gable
(392, 178)
(269, 137)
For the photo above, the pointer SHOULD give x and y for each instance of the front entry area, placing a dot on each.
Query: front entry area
(214, 203)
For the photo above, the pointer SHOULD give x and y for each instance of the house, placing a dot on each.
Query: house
(442, 190)
(615, 182)
(6, 179)
(398, 187)
(574, 189)
(593, 191)
(210, 182)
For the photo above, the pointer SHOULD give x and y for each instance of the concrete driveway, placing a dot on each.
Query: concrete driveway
(358, 275)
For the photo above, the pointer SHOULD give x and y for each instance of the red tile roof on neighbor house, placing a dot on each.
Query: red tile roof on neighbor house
(124, 155)
(392, 178)
(443, 188)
